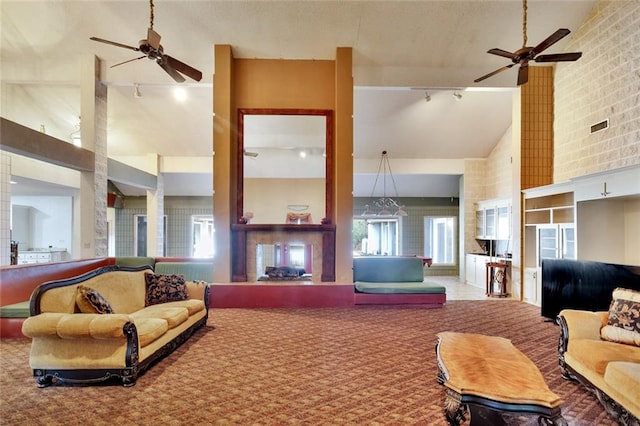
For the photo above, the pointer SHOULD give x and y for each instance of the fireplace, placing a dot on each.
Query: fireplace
(247, 237)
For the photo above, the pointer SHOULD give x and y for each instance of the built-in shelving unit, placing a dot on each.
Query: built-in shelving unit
(547, 209)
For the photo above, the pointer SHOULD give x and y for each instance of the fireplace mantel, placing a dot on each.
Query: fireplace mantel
(239, 233)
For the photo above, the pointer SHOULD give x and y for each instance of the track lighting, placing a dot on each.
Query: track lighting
(75, 135)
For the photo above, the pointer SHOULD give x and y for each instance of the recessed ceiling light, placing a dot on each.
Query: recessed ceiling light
(180, 94)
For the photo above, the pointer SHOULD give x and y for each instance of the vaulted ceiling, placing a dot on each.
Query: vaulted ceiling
(401, 50)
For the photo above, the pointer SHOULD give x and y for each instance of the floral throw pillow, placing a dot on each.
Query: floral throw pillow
(623, 325)
(165, 288)
(89, 301)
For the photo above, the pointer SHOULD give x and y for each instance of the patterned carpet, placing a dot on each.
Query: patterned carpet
(343, 366)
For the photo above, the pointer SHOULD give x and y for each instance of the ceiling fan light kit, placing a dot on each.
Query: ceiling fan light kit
(152, 49)
(526, 53)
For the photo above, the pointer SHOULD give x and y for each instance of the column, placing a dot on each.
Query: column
(155, 215)
(90, 206)
(5, 209)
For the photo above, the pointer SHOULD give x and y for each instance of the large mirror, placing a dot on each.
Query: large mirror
(285, 166)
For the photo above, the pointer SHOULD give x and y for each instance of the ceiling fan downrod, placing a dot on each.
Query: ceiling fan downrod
(524, 23)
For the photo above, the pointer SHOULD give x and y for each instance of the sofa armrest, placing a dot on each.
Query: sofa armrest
(583, 324)
(76, 326)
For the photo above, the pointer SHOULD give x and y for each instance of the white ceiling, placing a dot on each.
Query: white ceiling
(398, 46)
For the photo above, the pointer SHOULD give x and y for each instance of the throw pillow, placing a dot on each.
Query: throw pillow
(623, 325)
(165, 288)
(89, 301)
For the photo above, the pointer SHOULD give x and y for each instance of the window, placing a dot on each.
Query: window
(440, 239)
(376, 236)
(202, 236)
(140, 235)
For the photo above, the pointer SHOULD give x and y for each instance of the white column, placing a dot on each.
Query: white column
(90, 205)
(155, 216)
(5, 209)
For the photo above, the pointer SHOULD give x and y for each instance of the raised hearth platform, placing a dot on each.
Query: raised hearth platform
(280, 294)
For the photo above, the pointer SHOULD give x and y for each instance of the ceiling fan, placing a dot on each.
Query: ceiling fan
(526, 53)
(153, 50)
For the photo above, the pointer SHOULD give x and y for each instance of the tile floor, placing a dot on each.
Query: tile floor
(457, 290)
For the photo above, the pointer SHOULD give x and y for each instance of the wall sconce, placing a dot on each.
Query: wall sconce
(136, 91)
(427, 96)
(457, 95)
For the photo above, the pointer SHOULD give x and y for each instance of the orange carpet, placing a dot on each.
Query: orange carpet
(372, 365)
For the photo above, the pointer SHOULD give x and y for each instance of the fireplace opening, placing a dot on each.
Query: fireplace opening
(284, 262)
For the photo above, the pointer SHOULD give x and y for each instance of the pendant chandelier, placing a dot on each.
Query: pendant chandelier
(385, 205)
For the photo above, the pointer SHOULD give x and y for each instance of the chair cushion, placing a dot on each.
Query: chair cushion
(400, 288)
(149, 329)
(174, 316)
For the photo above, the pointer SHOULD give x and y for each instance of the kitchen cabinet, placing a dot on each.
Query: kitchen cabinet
(30, 257)
(476, 270)
(555, 242)
(493, 219)
(532, 286)
(503, 231)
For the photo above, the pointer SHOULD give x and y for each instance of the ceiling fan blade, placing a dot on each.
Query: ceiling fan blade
(502, 53)
(559, 57)
(127, 61)
(183, 68)
(153, 38)
(101, 40)
(484, 77)
(169, 70)
(552, 39)
(523, 74)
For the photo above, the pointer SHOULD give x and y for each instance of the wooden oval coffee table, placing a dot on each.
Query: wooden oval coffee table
(486, 376)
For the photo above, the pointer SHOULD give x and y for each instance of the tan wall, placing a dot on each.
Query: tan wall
(272, 83)
(499, 182)
(474, 191)
(602, 84)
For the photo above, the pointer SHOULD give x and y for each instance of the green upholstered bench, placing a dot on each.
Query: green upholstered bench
(394, 280)
(133, 261)
(400, 288)
(11, 318)
(192, 271)
(15, 310)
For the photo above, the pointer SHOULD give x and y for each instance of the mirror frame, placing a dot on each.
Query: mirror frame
(328, 191)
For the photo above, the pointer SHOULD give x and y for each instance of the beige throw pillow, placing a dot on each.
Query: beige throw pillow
(89, 301)
(623, 325)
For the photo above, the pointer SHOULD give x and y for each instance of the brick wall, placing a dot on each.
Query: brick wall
(604, 83)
